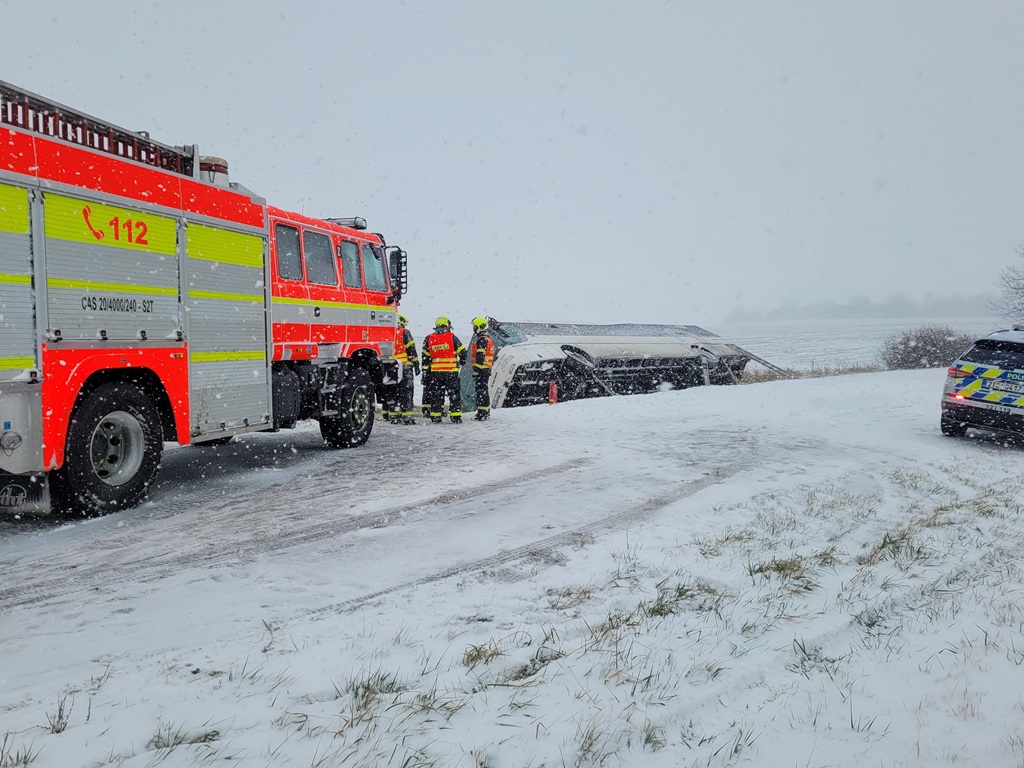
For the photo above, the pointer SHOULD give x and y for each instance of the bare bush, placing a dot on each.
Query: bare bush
(1011, 284)
(930, 346)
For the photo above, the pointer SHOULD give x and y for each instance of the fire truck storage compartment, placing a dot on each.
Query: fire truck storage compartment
(17, 330)
(111, 271)
(226, 324)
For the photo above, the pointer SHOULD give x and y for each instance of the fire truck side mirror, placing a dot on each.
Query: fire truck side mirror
(398, 268)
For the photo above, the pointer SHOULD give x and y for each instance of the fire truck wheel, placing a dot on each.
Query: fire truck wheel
(113, 451)
(352, 428)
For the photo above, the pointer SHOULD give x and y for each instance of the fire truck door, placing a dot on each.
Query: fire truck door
(380, 316)
(229, 366)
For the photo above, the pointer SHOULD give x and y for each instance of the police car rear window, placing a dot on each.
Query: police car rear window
(1008, 355)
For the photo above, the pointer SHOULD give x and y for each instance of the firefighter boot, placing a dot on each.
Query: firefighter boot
(457, 419)
(482, 415)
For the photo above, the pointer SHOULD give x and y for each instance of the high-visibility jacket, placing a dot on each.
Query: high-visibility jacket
(481, 351)
(405, 346)
(443, 353)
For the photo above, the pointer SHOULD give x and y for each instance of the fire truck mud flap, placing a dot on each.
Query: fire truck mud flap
(24, 494)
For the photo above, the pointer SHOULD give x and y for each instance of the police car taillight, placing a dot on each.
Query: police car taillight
(957, 373)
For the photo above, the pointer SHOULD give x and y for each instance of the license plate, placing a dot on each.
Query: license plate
(1008, 386)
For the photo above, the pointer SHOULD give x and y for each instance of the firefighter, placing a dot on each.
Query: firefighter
(398, 402)
(443, 355)
(481, 352)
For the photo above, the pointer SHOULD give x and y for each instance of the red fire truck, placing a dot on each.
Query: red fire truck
(146, 298)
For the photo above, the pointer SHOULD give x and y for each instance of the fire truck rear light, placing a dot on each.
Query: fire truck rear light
(10, 441)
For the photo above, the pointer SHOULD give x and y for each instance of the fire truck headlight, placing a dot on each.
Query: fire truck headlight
(10, 441)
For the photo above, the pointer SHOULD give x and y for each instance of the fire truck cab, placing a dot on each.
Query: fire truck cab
(145, 298)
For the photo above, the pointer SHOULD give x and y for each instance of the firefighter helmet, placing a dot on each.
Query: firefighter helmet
(479, 324)
(442, 323)
(403, 321)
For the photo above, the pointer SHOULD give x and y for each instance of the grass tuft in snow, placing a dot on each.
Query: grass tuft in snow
(811, 659)
(13, 756)
(568, 597)
(540, 659)
(169, 737)
(365, 689)
(484, 653)
(58, 720)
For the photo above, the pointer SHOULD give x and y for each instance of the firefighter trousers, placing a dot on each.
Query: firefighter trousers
(436, 386)
(396, 399)
(481, 384)
(402, 394)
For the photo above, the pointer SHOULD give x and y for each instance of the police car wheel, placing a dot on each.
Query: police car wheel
(112, 453)
(352, 427)
(952, 427)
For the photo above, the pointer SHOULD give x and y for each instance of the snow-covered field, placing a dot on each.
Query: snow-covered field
(828, 344)
(799, 573)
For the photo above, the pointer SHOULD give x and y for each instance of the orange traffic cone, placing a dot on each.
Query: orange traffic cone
(552, 393)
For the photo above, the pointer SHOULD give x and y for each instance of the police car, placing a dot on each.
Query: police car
(985, 386)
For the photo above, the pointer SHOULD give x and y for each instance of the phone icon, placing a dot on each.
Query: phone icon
(97, 233)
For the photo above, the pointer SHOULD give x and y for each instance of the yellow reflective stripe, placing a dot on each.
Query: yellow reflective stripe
(210, 244)
(971, 388)
(81, 221)
(7, 363)
(221, 296)
(221, 357)
(13, 209)
(318, 303)
(95, 285)
(15, 279)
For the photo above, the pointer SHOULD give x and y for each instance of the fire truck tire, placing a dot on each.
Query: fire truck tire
(113, 451)
(353, 426)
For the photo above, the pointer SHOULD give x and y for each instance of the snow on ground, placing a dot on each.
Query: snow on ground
(801, 573)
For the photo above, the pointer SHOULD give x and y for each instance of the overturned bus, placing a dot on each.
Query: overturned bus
(548, 362)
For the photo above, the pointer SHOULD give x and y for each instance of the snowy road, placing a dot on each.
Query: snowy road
(464, 496)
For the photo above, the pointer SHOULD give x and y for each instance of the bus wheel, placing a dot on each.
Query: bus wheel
(354, 423)
(112, 453)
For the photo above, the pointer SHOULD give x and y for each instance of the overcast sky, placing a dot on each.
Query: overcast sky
(588, 161)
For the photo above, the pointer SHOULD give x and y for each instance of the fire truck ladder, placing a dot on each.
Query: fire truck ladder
(38, 114)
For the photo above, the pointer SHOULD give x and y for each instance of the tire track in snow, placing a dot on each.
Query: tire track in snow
(22, 584)
(536, 549)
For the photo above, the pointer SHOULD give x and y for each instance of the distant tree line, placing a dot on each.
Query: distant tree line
(896, 306)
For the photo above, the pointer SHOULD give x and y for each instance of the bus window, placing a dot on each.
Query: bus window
(319, 260)
(373, 268)
(350, 271)
(289, 260)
